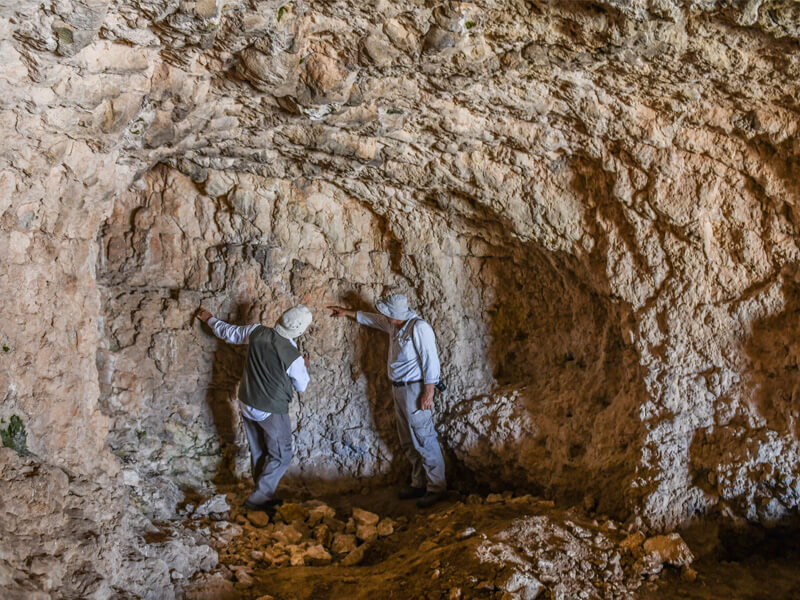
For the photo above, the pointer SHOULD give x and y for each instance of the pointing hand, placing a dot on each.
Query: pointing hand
(338, 311)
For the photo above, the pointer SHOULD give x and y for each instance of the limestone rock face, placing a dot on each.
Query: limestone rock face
(594, 206)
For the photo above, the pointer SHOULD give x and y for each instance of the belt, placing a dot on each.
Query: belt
(404, 383)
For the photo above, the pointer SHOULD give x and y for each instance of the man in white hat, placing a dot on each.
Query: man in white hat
(273, 366)
(414, 370)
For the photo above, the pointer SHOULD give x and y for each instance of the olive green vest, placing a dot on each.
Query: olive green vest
(265, 384)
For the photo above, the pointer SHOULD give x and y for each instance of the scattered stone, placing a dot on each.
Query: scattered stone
(523, 499)
(213, 507)
(688, 573)
(323, 534)
(385, 527)
(670, 549)
(366, 533)
(364, 517)
(297, 556)
(355, 556)
(525, 586)
(286, 534)
(319, 513)
(276, 558)
(468, 532)
(244, 578)
(455, 594)
(494, 498)
(258, 518)
(333, 524)
(317, 555)
(290, 512)
(350, 526)
(343, 543)
(634, 540)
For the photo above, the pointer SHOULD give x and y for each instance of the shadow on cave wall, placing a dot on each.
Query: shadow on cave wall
(561, 341)
(773, 350)
(372, 347)
(368, 349)
(752, 461)
(560, 358)
(226, 371)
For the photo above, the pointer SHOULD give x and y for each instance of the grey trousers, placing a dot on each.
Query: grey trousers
(418, 439)
(270, 443)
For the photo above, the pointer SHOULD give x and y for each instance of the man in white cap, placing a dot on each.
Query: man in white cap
(414, 371)
(273, 366)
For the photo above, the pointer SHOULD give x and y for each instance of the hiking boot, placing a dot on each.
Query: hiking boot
(430, 499)
(409, 491)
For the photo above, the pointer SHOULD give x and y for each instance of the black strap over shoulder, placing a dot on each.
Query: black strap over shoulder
(440, 385)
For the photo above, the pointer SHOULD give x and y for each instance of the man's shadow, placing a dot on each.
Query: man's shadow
(371, 349)
(226, 372)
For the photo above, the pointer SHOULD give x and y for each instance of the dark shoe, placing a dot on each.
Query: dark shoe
(268, 507)
(408, 492)
(430, 499)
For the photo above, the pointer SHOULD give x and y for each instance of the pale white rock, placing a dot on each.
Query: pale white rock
(217, 504)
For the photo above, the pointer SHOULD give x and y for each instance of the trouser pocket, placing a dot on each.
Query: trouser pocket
(421, 424)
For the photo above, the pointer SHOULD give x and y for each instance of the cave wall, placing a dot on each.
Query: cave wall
(595, 205)
(247, 247)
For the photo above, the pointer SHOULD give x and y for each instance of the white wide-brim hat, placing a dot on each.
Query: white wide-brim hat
(395, 306)
(294, 322)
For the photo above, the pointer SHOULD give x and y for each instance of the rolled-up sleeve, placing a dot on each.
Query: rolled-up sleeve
(428, 354)
(233, 334)
(375, 320)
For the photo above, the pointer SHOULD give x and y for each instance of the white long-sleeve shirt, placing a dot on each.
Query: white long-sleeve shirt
(404, 364)
(239, 334)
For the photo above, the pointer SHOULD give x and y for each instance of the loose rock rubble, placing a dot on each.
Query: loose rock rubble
(500, 547)
(298, 534)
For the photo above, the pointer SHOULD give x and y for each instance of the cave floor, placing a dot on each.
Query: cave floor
(429, 556)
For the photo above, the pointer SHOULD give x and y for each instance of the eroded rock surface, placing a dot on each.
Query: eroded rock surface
(594, 205)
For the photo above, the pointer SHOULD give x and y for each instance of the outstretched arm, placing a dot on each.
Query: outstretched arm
(374, 320)
(233, 334)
